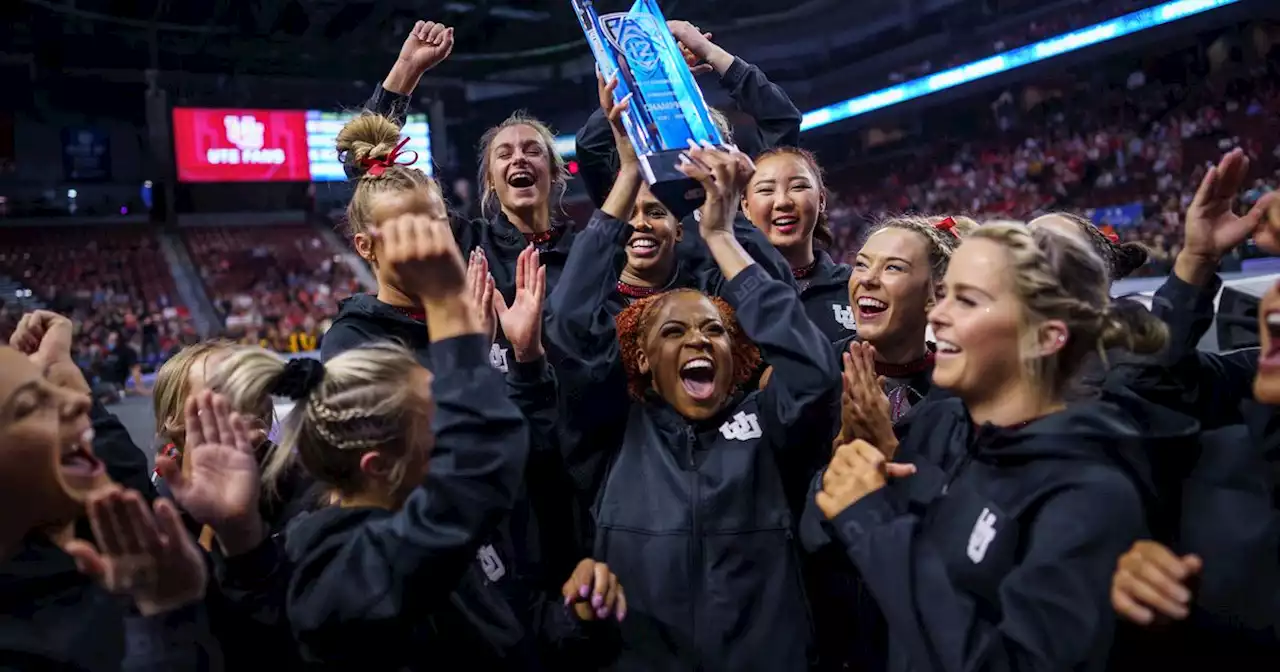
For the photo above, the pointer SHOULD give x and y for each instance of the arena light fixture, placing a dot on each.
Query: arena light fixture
(1075, 40)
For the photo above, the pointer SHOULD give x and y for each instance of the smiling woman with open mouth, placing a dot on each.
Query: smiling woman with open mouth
(787, 201)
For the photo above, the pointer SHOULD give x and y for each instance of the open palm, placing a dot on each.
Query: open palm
(1212, 228)
(221, 482)
(522, 320)
(427, 45)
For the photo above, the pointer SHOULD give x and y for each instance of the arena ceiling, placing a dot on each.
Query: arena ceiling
(328, 38)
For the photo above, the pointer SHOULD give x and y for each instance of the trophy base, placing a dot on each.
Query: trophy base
(671, 187)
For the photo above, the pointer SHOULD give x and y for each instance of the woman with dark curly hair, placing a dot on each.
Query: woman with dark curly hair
(694, 472)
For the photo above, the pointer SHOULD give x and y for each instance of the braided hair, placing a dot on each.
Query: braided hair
(941, 242)
(1057, 277)
(359, 401)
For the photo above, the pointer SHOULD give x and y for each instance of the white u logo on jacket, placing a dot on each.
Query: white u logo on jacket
(984, 532)
(498, 357)
(844, 316)
(742, 427)
(490, 563)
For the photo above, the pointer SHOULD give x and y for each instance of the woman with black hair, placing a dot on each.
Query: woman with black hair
(787, 202)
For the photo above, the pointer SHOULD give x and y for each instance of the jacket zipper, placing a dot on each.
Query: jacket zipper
(695, 551)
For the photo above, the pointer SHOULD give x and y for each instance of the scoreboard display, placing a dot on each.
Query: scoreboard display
(253, 145)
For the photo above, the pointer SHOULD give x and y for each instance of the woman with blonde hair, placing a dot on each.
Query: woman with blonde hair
(1020, 502)
(422, 465)
(181, 378)
(521, 179)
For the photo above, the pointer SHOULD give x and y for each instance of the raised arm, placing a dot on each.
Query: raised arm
(426, 46)
(395, 569)
(582, 338)
(777, 119)
(806, 374)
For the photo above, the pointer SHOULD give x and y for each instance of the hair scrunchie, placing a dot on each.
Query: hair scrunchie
(299, 378)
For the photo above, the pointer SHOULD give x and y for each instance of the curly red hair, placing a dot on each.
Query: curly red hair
(634, 322)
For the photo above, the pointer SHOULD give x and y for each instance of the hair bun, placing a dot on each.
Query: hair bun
(368, 136)
(299, 378)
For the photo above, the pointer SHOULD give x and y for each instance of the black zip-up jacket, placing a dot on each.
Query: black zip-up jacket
(696, 518)
(1230, 518)
(52, 617)
(582, 339)
(531, 551)
(998, 553)
(365, 584)
(363, 320)
(825, 293)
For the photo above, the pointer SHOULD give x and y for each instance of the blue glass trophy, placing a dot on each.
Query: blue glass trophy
(667, 108)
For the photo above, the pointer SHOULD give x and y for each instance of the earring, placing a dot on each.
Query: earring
(1062, 338)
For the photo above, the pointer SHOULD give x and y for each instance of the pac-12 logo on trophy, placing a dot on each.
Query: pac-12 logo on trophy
(636, 37)
(667, 109)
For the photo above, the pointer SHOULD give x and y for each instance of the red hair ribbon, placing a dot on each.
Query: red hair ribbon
(947, 224)
(376, 167)
(1112, 236)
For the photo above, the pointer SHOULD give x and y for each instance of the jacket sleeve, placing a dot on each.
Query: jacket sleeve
(532, 387)
(397, 569)
(175, 640)
(693, 252)
(596, 156)
(1054, 604)
(582, 341)
(1228, 520)
(394, 106)
(777, 119)
(798, 405)
(562, 637)
(805, 373)
(1187, 310)
(126, 463)
(246, 604)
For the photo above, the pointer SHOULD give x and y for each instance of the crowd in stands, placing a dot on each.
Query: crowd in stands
(277, 287)
(273, 286)
(1141, 144)
(113, 282)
